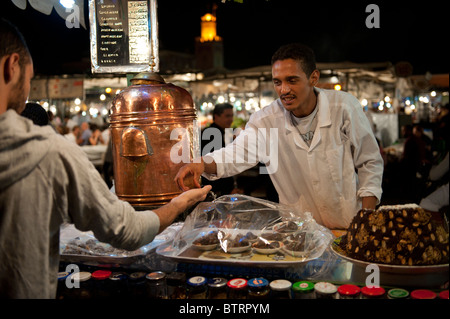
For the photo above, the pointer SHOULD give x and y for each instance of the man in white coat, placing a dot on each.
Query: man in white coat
(317, 145)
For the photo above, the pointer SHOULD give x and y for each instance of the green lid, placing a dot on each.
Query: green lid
(397, 293)
(303, 287)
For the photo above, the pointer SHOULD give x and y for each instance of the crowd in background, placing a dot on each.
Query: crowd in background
(419, 171)
(422, 167)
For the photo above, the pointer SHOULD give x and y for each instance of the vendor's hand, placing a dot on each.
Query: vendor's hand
(193, 169)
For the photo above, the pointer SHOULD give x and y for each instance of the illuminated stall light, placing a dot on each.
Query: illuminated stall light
(93, 112)
(108, 90)
(77, 101)
(433, 93)
(364, 102)
(102, 97)
(338, 87)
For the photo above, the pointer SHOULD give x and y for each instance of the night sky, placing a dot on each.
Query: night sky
(409, 31)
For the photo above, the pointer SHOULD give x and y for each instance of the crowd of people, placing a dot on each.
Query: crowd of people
(77, 129)
(422, 167)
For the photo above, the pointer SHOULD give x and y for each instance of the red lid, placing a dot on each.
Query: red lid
(423, 294)
(443, 294)
(373, 291)
(237, 283)
(101, 274)
(349, 290)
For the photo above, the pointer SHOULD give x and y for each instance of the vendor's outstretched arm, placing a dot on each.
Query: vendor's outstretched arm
(195, 170)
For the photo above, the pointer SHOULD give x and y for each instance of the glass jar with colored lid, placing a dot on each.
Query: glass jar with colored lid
(303, 290)
(176, 285)
(443, 294)
(398, 293)
(373, 292)
(118, 284)
(281, 289)
(83, 281)
(258, 288)
(423, 294)
(156, 285)
(197, 287)
(237, 288)
(349, 291)
(100, 282)
(325, 290)
(62, 289)
(217, 288)
(137, 286)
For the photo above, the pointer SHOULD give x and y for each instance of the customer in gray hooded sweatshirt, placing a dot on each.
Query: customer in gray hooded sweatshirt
(45, 181)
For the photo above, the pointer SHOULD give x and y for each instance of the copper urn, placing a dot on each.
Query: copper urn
(154, 132)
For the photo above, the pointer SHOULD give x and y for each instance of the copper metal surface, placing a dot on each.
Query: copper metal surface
(142, 119)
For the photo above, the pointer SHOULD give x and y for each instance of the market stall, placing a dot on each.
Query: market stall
(261, 245)
(236, 246)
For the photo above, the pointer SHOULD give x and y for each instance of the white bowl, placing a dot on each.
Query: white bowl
(267, 251)
(205, 247)
(235, 250)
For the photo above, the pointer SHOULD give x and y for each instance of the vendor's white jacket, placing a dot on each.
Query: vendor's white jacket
(328, 178)
(46, 180)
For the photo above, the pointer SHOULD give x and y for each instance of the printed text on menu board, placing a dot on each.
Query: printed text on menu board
(123, 34)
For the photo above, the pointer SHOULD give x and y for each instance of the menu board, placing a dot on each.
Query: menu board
(123, 36)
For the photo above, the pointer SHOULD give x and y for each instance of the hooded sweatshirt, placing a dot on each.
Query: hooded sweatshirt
(44, 181)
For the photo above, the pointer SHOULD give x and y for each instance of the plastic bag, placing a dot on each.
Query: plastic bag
(74, 242)
(239, 224)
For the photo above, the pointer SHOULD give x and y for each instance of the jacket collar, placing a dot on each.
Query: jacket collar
(323, 120)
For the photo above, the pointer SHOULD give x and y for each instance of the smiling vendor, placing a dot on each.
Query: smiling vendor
(318, 145)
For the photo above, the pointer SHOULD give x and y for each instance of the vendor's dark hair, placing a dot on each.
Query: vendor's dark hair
(221, 107)
(297, 51)
(12, 41)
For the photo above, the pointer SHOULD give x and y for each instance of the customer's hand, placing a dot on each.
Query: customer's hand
(190, 197)
(179, 204)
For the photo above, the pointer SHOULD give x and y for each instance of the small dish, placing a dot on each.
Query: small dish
(269, 248)
(235, 250)
(205, 247)
(292, 249)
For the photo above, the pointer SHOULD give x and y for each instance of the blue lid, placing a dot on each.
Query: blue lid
(118, 276)
(257, 282)
(62, 275)
(197, 281)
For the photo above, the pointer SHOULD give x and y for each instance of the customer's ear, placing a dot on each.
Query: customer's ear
(11, 68)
